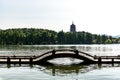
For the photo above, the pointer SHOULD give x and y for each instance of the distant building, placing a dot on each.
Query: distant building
(72, 27)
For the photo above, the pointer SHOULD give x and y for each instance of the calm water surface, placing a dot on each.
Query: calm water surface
(63, 69)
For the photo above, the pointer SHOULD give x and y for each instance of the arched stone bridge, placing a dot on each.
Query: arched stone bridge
(57, 53)
(87, 58)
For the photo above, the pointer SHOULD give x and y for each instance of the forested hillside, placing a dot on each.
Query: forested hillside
(29, 36)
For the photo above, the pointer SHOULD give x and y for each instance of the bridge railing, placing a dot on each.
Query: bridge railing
(87, 55)
(14, 57)
(78, 52)
(49, 53)
(53, 52)
(56, 51)
(107, 57)
(42, 56)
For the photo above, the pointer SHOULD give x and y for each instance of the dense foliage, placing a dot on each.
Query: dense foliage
(27, 36)
(43, 36)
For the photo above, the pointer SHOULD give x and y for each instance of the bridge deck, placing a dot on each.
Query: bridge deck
(60, 53)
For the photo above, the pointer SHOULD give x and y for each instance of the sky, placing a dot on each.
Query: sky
(94, 16)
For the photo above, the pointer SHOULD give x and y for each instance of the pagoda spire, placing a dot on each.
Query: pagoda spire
(72, 22)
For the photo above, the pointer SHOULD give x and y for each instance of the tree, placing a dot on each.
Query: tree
(60, 37)
(108, 41)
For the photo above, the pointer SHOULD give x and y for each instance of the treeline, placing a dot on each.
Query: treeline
(27, 36)
(31, 36)
(84, 38)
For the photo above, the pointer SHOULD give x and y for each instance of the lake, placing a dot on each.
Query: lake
(63, 68)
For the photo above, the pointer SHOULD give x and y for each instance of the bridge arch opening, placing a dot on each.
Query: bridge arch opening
(65, 61)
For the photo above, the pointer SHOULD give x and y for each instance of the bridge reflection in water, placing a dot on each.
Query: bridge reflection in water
(74, 69)
(62, 70)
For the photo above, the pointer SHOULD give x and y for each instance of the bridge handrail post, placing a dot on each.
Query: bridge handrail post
(19, 60)
(112, 60)
(14, 56)
(8, 59)
(76, 52)
(99, 60)
(31, 60)
(53, 52)
(95, 57)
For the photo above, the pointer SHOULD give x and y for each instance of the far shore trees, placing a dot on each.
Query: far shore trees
(31, 36)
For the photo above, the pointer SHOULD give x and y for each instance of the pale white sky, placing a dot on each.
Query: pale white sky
(95, 16)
